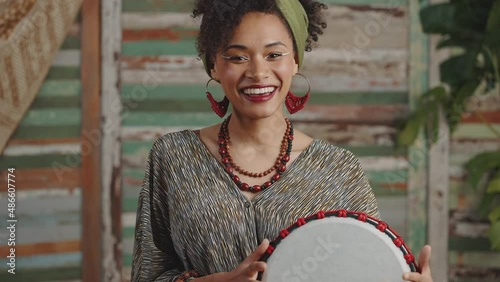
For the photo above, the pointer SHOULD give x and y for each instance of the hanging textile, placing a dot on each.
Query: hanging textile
(31, 32)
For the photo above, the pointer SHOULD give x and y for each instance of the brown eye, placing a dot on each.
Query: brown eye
(235, 58)
(275, 55)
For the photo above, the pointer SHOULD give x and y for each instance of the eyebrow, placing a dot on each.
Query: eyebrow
(242, 47)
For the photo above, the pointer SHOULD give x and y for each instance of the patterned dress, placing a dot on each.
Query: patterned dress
(191, 215)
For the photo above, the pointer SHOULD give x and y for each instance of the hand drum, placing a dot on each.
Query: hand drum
(340, 246)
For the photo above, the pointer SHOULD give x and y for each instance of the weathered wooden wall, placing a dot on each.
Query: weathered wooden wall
(45, 149)
(470, 255)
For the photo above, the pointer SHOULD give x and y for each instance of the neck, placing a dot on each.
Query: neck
(258, 132)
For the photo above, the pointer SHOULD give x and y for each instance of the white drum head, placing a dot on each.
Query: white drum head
(338, 246)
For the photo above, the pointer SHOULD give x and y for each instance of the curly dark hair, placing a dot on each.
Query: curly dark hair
(221, 17)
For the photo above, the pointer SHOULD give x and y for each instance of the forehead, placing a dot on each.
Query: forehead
(260, 28)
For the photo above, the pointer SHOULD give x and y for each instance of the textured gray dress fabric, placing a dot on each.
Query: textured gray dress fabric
(191, 215)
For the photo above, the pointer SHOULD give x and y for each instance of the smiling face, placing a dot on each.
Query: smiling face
(255, 69)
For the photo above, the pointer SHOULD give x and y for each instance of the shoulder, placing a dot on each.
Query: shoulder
(333, 153)
(173, 141)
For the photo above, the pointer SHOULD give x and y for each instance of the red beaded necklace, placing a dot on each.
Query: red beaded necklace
(231, 166)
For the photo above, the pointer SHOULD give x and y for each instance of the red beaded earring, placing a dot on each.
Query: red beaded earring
(294, 103)
(220, 108)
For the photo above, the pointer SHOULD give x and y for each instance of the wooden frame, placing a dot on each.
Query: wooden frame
(111, 140)
(439, 153)
(91, 153)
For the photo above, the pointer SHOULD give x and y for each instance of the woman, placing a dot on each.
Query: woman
(211, 196)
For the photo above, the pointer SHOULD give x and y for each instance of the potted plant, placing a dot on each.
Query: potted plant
(471, 28)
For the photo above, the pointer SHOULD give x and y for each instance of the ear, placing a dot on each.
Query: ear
(213, 74)
(295, 65)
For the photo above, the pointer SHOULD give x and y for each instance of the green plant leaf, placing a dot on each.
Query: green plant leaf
(432, 98)
(459, 69)
(480, 164)
(494, 215)
(410, 131)
(458, 42)
(439, 18)
(464, 19)
(457, 102)
(494, 235)
(494, 184)
(493, 26)
(485, 205)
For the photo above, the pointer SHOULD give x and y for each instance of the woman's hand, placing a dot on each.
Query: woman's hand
(246, 271)
(423, 263)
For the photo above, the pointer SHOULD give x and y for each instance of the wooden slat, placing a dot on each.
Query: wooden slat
(418, 152)
(64, 273)
(439, 151)
(63, 72)
(44, 178)
(57, 161)
(49, 117)
(327, 68)
(350, 27)
(134, 95)
(91, 111)
(43, 141)
(46, 134)
(111, 143)
(187, 6)
(44, 248)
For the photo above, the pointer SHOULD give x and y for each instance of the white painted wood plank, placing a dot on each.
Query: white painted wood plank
(111, 40)
(327, 69)
(439, 152)
(34, 150)
(67, 58)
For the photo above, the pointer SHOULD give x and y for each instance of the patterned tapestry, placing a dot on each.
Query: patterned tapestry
(31, 32)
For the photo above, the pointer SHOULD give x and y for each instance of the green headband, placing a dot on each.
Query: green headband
(297, 19)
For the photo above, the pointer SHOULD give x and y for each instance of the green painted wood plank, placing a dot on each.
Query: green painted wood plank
(131, 148)
(467, 244)
(71, 42)
(43, 274)
(129, 204)
(391, 3)
(169, 119)
(58, 72)
(44, 102)
(375, 151)
(52, 117)
(134, 173)
(59, 161)
(187, 6)
(167, 105)
(127, 259)
(476, 259)
(475, 131)
(69, 87)
(137, 94)
(159, 47)
(128, 232)
(157, 6)
(417, 178)
(47, 132)
(47, 261)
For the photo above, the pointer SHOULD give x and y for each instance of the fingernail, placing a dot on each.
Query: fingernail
(405, 276)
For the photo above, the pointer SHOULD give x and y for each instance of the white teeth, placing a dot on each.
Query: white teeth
(259, 91)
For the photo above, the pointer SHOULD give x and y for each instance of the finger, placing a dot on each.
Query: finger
(255, 267)
(423, 260)
(258, 252)
(412, 276)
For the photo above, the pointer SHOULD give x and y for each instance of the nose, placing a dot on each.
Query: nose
(257, 69)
